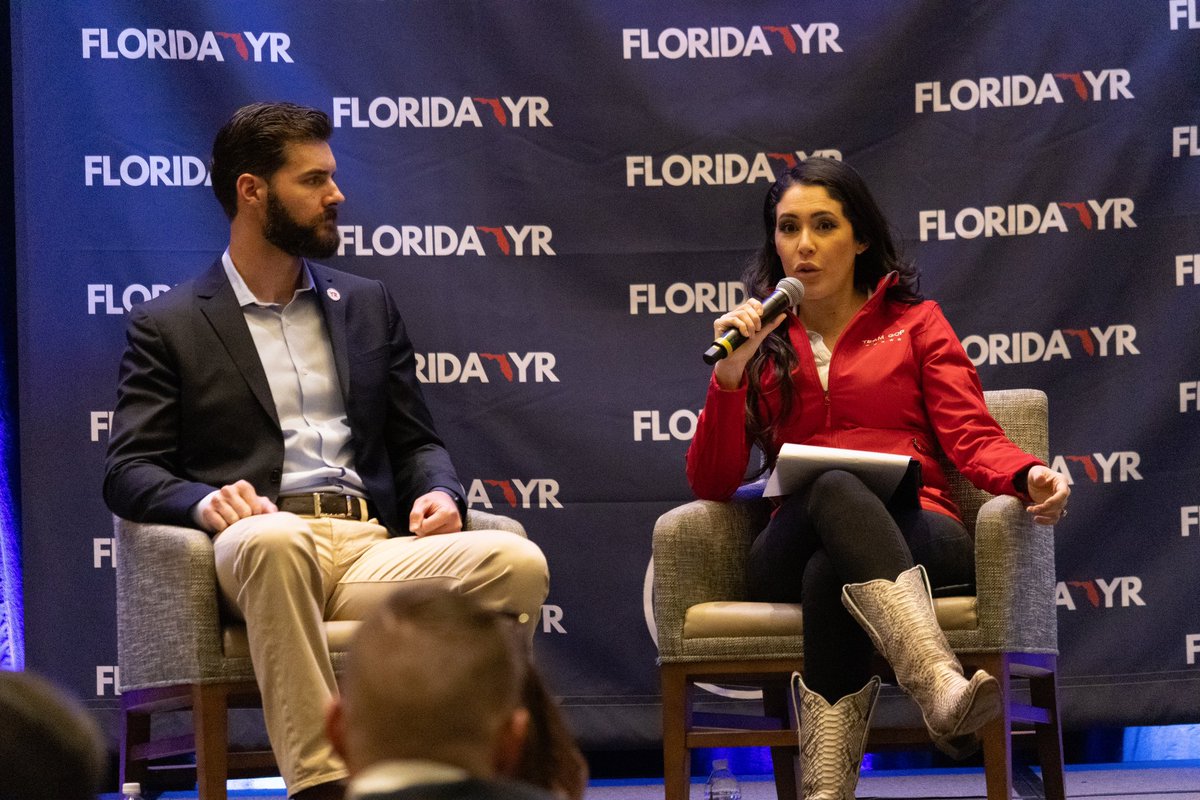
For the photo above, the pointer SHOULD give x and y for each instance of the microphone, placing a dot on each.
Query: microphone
(788, 294)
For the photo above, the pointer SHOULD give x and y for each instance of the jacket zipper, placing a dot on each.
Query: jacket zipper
(833, 354)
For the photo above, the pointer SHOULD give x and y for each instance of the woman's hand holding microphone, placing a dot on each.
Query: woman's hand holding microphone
(746, 319)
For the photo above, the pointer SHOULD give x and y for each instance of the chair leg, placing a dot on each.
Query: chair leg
(783, 759)
(135, 730)
(210, 720)
(997, 736)
(677, 715)
(1043, 693)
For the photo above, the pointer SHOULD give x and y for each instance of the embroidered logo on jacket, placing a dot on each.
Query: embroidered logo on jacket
(887, 338)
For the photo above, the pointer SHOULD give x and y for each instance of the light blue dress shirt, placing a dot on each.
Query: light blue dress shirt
(297, 357)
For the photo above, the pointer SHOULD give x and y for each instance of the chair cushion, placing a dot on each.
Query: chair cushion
(742, 619)
(337, 633)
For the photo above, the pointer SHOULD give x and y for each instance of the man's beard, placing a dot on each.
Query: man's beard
(293, 238)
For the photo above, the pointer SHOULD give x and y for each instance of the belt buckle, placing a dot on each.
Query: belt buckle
(359, 510)
(349, 512)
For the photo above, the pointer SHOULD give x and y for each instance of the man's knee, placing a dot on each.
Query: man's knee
(520, 565)
(526, 558)
(524, 566)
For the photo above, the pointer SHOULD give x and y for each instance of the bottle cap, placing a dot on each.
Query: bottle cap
(131, 788)
(720, 763)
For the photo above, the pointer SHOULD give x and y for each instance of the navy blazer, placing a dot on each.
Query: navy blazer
(194, 410)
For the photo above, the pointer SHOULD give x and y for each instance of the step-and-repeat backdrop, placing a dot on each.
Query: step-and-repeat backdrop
(561, 196)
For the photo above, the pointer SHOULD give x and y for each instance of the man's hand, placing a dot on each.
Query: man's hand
(227, 505)
(433, 513)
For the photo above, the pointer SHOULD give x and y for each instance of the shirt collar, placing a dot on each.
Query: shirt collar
(242, 292)
(391, 776)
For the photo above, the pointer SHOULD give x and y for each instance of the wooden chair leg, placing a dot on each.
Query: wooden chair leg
(676, 719)
(135, 730)
(210, 720)
(783, 759)
(1043, 693)
(997, 738)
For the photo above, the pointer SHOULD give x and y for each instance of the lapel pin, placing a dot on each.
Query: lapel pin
(333, 294)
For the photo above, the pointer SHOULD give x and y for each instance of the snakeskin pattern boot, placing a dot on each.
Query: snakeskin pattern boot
(832, 739)
(899, 618)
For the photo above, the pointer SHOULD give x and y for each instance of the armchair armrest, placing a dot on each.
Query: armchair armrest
(1015, 580)
(168, 622)
(700, 552)
(484, 521)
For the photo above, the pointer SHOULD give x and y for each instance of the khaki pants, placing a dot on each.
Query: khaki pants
(284, 575)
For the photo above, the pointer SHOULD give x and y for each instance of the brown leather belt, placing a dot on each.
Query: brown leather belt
(325, 504)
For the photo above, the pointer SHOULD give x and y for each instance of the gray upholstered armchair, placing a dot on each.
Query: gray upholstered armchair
(176, 652)
(707, 631)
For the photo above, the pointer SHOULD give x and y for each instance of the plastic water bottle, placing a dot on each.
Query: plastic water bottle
(721, 783)
(131, 791)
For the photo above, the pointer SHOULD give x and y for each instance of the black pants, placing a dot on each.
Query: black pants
(837, 531)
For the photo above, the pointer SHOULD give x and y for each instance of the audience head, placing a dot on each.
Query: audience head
(432, 676)
(551, 759)
(50, 747)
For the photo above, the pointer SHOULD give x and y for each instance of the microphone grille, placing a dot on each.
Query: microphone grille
(793, 288)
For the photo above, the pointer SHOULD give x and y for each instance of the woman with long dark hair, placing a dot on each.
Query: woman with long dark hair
(864, 363)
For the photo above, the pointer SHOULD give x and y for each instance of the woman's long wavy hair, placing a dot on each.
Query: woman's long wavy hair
(765, 270)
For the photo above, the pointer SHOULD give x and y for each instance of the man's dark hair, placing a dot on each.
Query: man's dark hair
(255, 140)
(430, 674)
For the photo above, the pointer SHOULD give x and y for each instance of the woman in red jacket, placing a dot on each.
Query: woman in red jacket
(864, 363)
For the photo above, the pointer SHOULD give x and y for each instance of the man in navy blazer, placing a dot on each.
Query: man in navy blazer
(274, 403)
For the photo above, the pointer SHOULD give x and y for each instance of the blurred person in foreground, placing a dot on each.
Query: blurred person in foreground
(433, 706)
(50, 748)
(551, 757)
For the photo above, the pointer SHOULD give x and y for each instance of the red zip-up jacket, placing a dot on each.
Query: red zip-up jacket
(899, 382)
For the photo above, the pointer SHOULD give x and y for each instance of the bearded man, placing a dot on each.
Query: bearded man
(274, 403)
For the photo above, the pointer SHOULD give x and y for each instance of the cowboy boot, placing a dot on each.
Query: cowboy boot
(898, 616)
(832, 739)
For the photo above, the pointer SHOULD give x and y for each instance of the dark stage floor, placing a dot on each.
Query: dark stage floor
(1162, 780)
